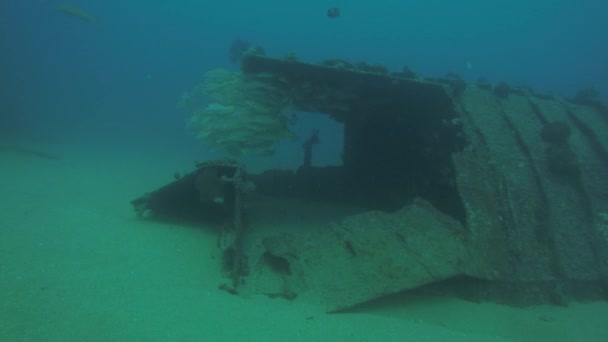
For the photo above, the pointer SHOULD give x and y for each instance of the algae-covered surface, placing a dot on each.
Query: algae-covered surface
(76, 264)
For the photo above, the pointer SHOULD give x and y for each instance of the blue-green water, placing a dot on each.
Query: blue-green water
(88, 121)
(64, 78)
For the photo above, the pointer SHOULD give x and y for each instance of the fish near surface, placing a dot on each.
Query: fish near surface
(78, 13)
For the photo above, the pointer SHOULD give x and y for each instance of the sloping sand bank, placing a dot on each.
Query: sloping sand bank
(76, 264)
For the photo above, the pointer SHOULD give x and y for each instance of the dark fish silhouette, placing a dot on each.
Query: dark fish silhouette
(237, 48)
(333, 12)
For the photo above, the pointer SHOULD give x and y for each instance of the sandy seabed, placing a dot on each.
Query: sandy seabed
(77, 265)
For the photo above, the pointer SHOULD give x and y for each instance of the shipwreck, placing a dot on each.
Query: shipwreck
(473, 186)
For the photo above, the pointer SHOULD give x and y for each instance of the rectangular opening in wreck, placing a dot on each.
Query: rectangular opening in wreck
(387, 160)
(318, 140)
(399, 137)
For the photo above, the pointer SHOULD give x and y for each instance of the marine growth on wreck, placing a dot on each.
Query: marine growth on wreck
(240, 113)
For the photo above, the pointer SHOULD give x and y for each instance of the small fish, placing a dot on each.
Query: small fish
(78, 13)
(333, 12)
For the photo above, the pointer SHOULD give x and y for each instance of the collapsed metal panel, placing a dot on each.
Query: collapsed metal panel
(362, 257)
